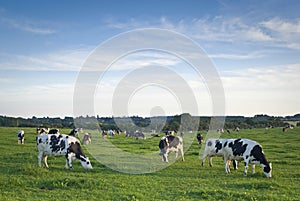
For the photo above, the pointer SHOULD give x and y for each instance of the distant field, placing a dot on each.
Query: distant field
(22, 179)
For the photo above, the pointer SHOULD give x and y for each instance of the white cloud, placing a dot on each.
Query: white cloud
(67, 60)
(36, 27)
(275, 32)
(272, 90)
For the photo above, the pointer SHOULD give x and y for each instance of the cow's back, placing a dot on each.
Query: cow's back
(54, 144)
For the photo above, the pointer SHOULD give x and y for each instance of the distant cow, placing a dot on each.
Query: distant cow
(21, 136)
(87, 138)
(74, 132)
(61, 145)
(214, 147)
(42, 130)
(247, 150)
(53, 131)
(199, 138)
(136, 135)
(169, 144)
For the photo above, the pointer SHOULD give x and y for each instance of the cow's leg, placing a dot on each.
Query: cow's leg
(210, 161)
(227, 169)
(182, 154)
(165, 157)
(40, 156)
(69, 160)
(45, 161)
(246, 167)
(253, 168)
(235, 164)
(203, 159)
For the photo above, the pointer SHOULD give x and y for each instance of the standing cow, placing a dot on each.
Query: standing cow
(249, 151)
(169, 144)
(214, 147)
(87, 138)
(61, 145)
(21, 137)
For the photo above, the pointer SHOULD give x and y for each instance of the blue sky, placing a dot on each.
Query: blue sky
(254, 45)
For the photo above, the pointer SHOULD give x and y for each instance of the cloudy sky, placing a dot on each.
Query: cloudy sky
(253, 45)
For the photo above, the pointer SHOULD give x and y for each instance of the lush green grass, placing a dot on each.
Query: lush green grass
(21, 179)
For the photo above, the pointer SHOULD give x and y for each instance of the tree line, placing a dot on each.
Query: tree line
(161, 123)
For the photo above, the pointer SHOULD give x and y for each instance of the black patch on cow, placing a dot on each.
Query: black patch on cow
(238, 149)
(56, 144)
(230, 144)
(77, 150)
(209, 143)
(40, 140)
(258, 155)
(225, 144)
(218, 146)
(173, 141)
(247, 156)
(162, 144)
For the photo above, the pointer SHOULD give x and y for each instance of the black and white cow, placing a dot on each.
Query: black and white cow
(42, 130)
(21, 137)
(249, 151)
(61, 145)
(75, 132)
(53, 131)
(199, 138)
(214, 147)
(169, 144)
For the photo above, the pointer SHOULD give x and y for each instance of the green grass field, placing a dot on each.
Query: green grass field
(22, 179)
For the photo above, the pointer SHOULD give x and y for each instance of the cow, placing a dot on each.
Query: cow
(53, 131)
(248, 150)
(214, 147)
(42, 130)
(169, 144)
(199, 138)
(136, 135)
(74, 132)
(87, 138)
(21, 137)
(61, 145)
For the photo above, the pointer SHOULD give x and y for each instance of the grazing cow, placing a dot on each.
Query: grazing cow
(61, 145)
(214, 147)
(199, 138)
(247, 150)
(21, 136)
(284, 129)
(136, 135)
(74, 132)
(87, 138)
(42, 130)
(53, 131)
(169, 144)
(237, 129)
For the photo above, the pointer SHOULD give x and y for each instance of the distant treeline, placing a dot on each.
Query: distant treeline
(148, 124)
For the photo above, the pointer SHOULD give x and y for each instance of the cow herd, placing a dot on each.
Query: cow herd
(52, 143)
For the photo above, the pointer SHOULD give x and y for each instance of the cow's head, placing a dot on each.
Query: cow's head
(267, 169)
(86, 163)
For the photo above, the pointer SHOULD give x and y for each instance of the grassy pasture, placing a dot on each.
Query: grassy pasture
(21, 179)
